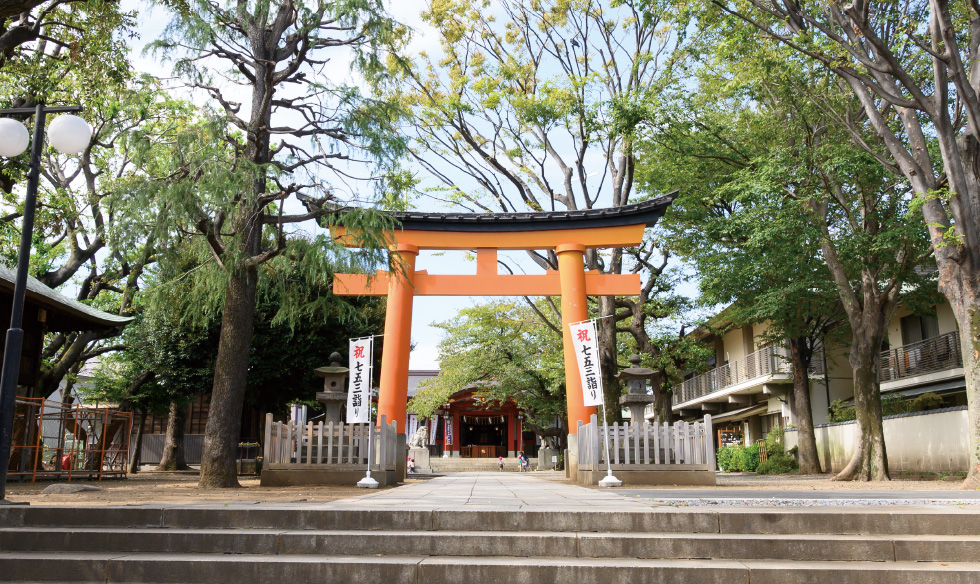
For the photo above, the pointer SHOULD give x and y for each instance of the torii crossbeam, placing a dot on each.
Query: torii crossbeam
(568, 233)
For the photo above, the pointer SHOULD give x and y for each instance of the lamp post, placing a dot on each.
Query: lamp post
(69, 134)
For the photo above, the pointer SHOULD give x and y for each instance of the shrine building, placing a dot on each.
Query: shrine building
(467, 427)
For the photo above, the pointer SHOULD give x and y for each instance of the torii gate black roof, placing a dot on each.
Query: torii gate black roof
(647, 213)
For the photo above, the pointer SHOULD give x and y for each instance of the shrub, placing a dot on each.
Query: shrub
(893, 404)
(738, 458)
(774, 442)
(778, 464)
(925, 402)
(748, 458)
(840, 412)
(725, 456)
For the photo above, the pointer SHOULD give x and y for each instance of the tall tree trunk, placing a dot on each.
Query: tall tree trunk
(869, 307)
(964, 299)
(172, 457)
(869, 461)
(134, 462)
(662, 401)
(806, 439)
(611, 387)
(221, 435)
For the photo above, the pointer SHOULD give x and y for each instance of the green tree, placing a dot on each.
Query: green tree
(753, 251)
(252, 160)
(788, 187)
(81, 58)
(86, 235)
(504, 351)
(65, 31)
(911, 69)
(298, 323)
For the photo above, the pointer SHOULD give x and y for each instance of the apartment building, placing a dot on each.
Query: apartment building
(749, 388)
(923, 354)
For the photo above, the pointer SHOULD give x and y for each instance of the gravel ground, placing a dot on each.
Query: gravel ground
(777, 502)
(823, 482)
(820, 482)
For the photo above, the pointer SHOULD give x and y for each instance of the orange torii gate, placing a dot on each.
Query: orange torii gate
(568, 233)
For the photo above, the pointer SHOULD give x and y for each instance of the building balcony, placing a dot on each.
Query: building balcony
(928, 361)
(755, 366)
(770, 363)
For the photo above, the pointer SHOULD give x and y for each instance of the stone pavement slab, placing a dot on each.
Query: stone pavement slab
(494, 490)
(483, 491)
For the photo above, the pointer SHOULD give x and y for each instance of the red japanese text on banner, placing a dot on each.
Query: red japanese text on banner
(586, 347)
(359, 385)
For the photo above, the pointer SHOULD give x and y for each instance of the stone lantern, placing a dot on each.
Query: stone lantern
(334, 392)
(636, 397)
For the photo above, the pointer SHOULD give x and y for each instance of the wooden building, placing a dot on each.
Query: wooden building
(47, 311)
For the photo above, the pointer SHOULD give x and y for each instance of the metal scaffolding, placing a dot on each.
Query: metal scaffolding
(55, 440)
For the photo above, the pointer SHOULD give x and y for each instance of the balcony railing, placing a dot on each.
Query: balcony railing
(928, 356)
(766, 361)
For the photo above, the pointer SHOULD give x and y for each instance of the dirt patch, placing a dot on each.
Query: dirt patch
(165, 487)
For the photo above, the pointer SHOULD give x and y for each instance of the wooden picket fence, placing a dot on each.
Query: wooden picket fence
(338, 446)
(646, 446)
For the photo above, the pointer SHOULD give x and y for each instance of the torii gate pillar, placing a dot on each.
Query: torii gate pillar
(393, 382)
(574, 308)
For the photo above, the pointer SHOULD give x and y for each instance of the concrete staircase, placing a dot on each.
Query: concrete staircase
(448, 465)
(250, 544)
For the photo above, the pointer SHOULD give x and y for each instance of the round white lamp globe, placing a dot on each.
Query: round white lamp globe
(14, 137)
(69, 134)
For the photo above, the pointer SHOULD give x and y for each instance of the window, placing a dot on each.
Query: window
(919, 328)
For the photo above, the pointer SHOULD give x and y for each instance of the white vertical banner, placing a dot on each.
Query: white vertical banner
(412, 425)
(586, 347)
(359, 385)
(433, 429)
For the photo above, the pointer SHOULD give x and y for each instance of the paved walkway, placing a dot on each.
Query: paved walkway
(494, 490)
(513, 491)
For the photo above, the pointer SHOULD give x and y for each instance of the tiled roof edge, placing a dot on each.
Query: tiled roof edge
(39, 291)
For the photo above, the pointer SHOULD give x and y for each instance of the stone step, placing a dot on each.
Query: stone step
(238, 568)
(801, 521)
(456, 464)
(891, 548)
(452, 467)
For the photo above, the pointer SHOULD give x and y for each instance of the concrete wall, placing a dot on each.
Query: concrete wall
(926, 442)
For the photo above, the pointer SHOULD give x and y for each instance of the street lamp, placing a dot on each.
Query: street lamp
(69, 134)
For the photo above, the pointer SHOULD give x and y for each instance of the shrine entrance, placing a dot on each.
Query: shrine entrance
(483, 436)
(566, 234)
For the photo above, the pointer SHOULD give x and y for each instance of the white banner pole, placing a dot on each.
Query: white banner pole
(586, 345)
(367, 482)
